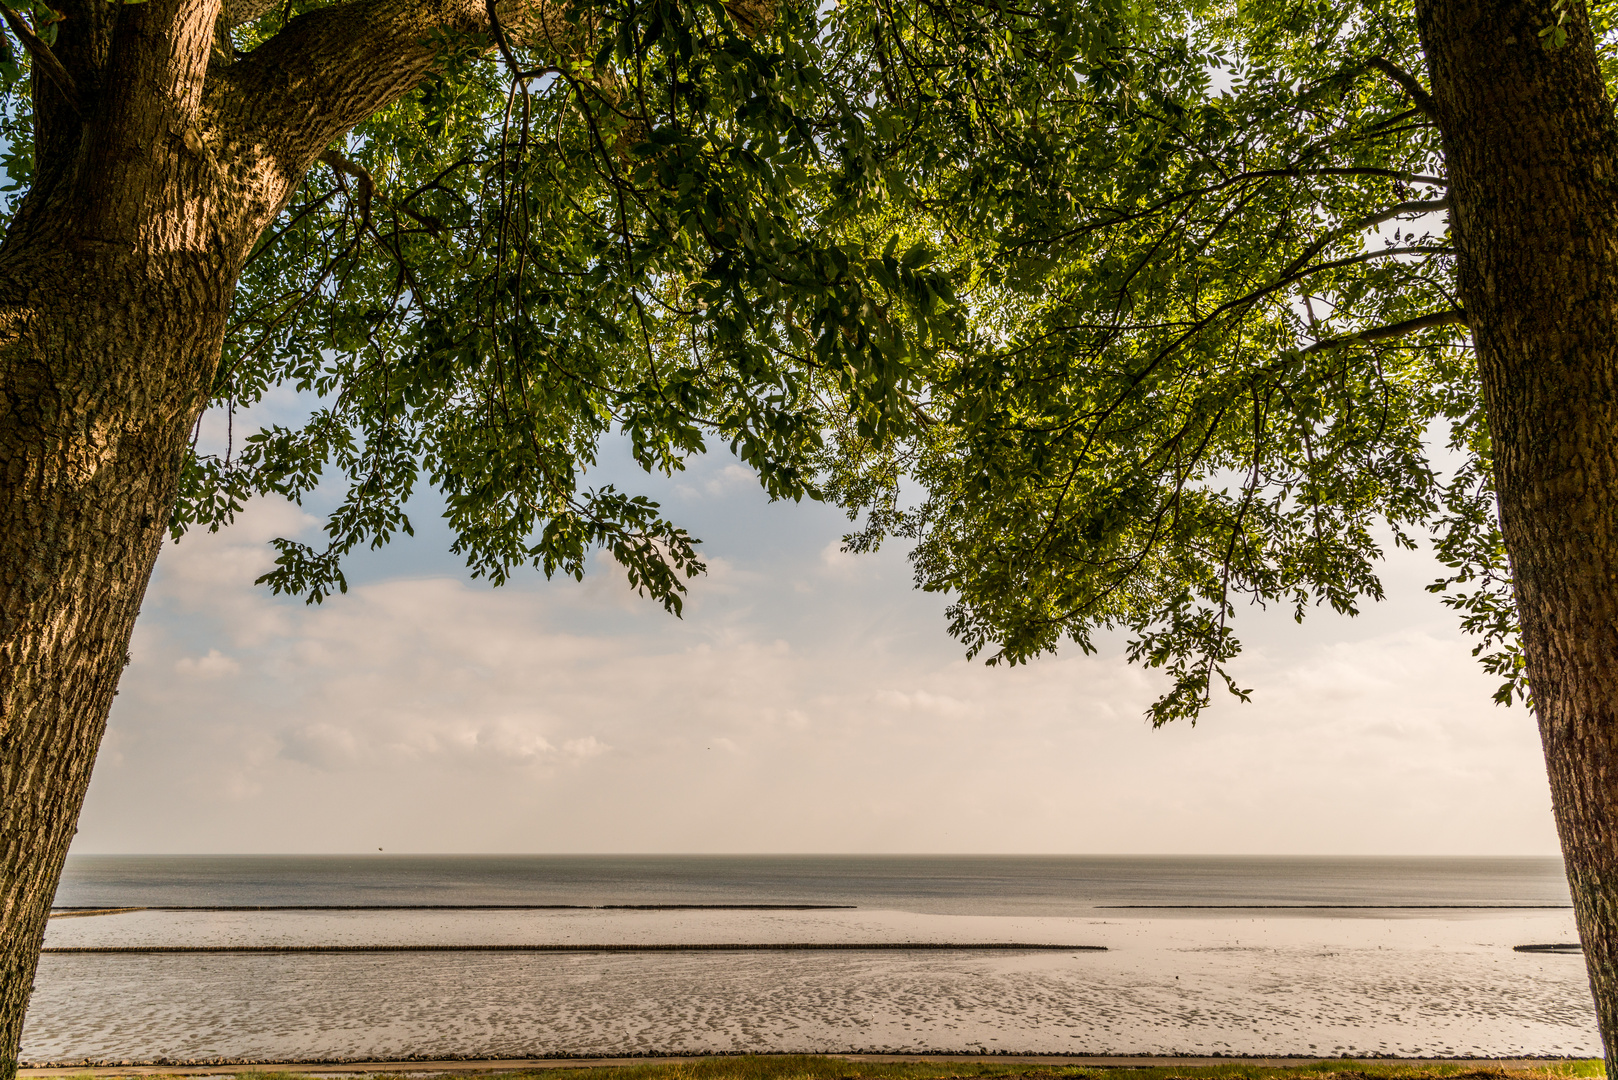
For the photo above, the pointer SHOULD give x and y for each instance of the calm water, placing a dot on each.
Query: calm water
(952, 885)
(1375, 956)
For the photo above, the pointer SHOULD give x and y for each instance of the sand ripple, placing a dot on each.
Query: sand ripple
(1265, 986)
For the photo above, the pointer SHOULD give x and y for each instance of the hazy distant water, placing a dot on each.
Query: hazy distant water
(955, 884)
(1417, 960)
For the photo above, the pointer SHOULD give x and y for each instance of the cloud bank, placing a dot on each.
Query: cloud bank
(808, 701)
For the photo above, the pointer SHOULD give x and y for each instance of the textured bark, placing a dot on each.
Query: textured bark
(160, 158)
(111, 323)
(115, 282)
(102, 358)
(1532, 153)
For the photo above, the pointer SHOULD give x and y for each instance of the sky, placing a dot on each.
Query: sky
(809, 701)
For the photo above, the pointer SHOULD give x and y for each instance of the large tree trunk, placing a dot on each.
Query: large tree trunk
(153, 180)
(114, 285)
(115, 280)
(1532, 154)
(104, 361)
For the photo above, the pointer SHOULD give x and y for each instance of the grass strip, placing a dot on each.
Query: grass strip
(777, 946)
(816, 1067)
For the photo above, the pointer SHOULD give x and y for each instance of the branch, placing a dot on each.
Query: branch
(1382, 333)
(1430, 206)
(1363, 223)
(295, 95)
(752, 17)
(330, 68)
(49, 65)
(1409, 84)
(342, 164)
(1392, 174)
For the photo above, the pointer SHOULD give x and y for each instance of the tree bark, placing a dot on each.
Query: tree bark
(110, 326)
(1532, 154)
(104, 361)
(116, 278)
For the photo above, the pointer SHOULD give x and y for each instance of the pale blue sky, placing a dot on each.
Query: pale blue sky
(808, 701)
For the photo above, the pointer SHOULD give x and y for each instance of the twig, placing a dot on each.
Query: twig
(1409, 84)
(1381, 333)
(49, 65)
(499, 34)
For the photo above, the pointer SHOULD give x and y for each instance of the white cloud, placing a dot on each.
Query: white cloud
(212, 666)
(717, 483)
(921, 701)
(322, 745)
(512, 741)
(560, 717)
(729, 479)
(836, 562)
(585, 748)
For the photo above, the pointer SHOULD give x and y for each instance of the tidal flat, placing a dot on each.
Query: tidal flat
(1412, 985)
(811, 1067)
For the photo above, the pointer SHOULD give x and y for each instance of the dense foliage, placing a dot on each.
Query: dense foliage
(644, 222)
(1155, 307)
(1215, 347)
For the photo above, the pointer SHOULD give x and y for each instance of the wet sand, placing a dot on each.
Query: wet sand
(1414, 985)
(488, 1066)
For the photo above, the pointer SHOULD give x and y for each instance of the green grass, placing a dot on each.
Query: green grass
(807, 1067)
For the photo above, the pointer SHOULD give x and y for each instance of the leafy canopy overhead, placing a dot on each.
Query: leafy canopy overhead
(1215, 346)
(660, 219)
(1154, 304)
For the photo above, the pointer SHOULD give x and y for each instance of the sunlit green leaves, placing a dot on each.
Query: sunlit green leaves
(1171, 410)
(664, 236)
(1116, 287)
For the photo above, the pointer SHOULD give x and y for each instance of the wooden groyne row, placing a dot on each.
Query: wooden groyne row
(1334, 907)
(63, 912)
(795, 946)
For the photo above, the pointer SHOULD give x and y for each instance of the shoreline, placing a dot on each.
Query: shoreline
(417, 1065)
(450, 986)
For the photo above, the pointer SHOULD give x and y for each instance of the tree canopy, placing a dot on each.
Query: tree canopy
(656, 219)
(1216, 353)
(1125, 316)
(1158, 307)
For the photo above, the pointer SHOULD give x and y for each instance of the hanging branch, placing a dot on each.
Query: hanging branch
(41, 53)
(343, 165)
(1408, 83)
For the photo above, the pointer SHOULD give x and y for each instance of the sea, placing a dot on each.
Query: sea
(384, 957)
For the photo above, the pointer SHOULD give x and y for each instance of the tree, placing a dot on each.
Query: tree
(1178, 370)
(1231, 283)
(483, 235)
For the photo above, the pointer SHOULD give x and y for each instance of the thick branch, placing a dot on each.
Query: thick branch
(1428, 206)
(1392, 174)
(1382, 333)
(82, 45)
(147, 105)
(367, 185)
(1409, 84)
(43, 58)
(329, 69)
